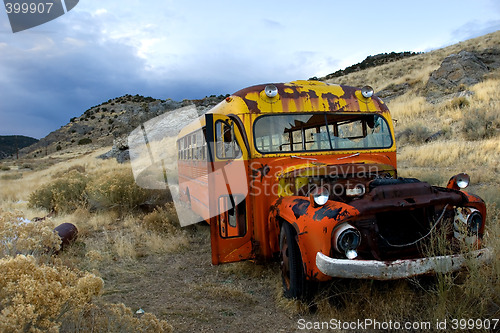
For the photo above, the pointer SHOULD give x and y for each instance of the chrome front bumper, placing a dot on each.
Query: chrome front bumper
(398, 269)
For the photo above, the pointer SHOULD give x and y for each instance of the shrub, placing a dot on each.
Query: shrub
(65, 194)
(12, 176)
(84, 141)
(74, 168)
(34, 297)
(117, 189)
(461, 102)
(163, 220)
(50, 297)
(20, 236)
(413, 134)
(479, 124)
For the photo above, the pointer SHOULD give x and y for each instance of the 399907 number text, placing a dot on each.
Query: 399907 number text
(28, 7)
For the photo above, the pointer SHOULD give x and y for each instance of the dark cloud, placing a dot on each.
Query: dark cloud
(47, 78)
(51, 88)
(53, 73)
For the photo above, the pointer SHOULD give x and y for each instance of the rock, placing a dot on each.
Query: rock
(490, 57)
(435, 136)
(119, 150)
(82, 129)
(392, 91)
(462, 69)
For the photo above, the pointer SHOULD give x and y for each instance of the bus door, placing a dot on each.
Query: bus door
(228, 181)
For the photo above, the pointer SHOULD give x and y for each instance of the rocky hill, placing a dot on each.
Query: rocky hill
(103, 124)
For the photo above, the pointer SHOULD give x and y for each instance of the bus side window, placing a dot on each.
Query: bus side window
(227, 146)
(232, 221)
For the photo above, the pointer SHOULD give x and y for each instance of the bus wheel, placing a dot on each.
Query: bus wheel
(292, 272)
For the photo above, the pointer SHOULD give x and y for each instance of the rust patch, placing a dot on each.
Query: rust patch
(253, 107)
(333, 101)
(296, 94)
(300, 207)
(326, 212)
(263, 171)
(403, 196)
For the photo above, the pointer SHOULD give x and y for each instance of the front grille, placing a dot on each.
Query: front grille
(400, 233)
(403, 234)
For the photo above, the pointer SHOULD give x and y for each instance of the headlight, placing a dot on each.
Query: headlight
(367, 91)
(459, 181)
(346, 240)
(474, 223)
(320, 196)
(271, 90)
(467, 224)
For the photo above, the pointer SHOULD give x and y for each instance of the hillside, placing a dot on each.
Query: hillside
(410, 75)
(100, 125)
(369, 62)
(10, 144)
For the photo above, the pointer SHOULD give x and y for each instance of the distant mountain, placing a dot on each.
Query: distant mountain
(9, 144)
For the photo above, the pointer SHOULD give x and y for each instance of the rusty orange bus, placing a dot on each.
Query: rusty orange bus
(305, 173)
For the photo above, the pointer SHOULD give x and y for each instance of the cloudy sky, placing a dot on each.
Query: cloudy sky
(192, 48)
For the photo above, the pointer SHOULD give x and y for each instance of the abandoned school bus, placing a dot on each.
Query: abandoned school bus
(306, 172)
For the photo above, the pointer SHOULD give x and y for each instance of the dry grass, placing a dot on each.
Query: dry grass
(105, 236)
(40, 293)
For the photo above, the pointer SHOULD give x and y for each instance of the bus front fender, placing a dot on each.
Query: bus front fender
(313, 225)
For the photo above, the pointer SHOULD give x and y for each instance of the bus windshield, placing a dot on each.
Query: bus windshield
(301, 132)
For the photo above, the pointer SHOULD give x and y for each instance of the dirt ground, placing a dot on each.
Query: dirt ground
(194, 296)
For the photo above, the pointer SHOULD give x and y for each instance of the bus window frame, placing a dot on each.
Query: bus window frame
(189, 147)
(335, 133)
(233, 140)
(240, 217)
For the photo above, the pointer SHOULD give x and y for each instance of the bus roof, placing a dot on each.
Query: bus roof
(308, 96)
(296, 96)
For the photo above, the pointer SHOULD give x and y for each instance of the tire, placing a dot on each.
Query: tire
(292, 271)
